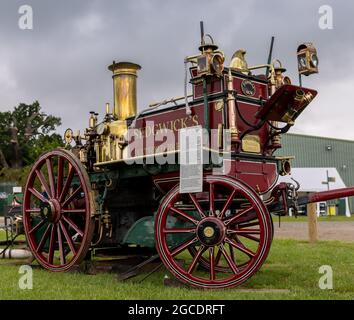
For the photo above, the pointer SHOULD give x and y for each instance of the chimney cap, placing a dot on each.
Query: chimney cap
(123, 65)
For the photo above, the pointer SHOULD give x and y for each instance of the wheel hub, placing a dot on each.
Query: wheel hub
(210, 231)
(52, 211)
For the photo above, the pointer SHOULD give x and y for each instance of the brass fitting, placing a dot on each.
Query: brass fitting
(92, 120)
(231, 105)
(285, 167)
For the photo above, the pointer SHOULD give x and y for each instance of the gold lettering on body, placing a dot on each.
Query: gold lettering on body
(175, 124)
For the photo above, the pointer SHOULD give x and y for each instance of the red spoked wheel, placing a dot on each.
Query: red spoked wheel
(57, 210)
(226, 229)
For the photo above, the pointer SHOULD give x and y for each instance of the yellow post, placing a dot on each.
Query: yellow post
(312, 222)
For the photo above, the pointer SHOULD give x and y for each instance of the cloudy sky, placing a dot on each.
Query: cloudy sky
(63, 61)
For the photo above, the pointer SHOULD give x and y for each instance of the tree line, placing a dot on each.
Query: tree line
(25, 133)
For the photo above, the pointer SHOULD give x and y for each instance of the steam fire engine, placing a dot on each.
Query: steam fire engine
(112, 191)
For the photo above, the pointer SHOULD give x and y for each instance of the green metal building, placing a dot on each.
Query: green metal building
(321, 152)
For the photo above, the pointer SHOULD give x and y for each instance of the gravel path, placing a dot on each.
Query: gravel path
(336, 230)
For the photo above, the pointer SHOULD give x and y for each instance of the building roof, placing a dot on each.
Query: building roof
(302, 135)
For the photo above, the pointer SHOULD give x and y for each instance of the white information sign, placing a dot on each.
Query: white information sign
(191, 159)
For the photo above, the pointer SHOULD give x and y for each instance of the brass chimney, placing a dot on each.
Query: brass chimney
(124, 87)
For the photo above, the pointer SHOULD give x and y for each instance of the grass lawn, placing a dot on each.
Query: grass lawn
(291, 265)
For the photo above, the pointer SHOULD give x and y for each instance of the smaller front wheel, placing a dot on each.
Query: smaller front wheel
(57, 210)
(225, 229)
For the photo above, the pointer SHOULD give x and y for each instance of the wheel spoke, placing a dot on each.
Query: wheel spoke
(72, 197)
(51, 177)
(237, 216)
(240, 247)
(44, 183)
(37, 226)
(212, 263)
(249, 224)
(73, 225)
(248, 236)
(51, 245)
(73, 210)
(183, 214)
(232, 253)
(44, 239)
(37, 194)
(195, 259)
(227, 204)
(179, 230)
(211, 200)
(183, 246)
(243, 231)
(33, 210)
(229, 260)
(61, 246)
(67, 237)
(247, 231)
(60, 175)
(217, 258)
(197, 205)
(67, 184)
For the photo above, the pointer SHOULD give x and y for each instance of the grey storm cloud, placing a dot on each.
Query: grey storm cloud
(63, 61)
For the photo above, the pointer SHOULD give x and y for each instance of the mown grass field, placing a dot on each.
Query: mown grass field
(292, 267)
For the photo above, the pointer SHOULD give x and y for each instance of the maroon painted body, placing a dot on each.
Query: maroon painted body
(258, 170)
(259, 175)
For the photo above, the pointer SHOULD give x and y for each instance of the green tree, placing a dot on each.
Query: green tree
(25, 133)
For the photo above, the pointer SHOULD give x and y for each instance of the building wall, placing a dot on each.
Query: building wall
(311, 151)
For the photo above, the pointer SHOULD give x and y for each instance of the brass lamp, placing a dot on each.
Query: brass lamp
(307, 59)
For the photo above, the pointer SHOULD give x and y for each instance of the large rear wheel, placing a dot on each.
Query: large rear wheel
(226, 229)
